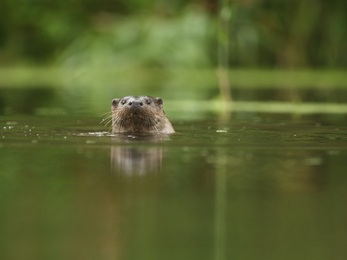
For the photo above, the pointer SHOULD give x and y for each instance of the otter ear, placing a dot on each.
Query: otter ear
(115, 102)
(159, 100)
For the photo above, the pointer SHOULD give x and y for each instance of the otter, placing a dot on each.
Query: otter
(142, 114)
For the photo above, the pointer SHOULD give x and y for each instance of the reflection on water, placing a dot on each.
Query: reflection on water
(262, 187)
(131, 161)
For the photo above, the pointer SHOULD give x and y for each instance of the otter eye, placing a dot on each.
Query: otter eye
(123, 102)
(148, 102)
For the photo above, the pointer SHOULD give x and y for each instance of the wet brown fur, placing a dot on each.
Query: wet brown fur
(142, 114)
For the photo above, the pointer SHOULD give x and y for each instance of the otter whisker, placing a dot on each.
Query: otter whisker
(109, 112)
(106, 118)
(108, 121)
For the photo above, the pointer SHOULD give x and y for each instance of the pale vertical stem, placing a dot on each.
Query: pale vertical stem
(220, 208)
(224, 18)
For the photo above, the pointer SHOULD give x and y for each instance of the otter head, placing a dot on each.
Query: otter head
(142, 114)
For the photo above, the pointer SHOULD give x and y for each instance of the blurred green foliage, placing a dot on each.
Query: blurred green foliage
(263, 33)
(143, 41)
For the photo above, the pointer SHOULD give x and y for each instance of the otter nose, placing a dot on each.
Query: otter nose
(135, 104)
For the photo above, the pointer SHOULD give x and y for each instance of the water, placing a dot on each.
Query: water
(254, 186)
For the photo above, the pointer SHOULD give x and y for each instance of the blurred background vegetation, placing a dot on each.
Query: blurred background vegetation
(170, 48)
(162, 33)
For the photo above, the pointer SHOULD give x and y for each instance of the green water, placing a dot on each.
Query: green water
(253, 186)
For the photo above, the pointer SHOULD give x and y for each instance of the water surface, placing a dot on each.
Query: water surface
(253, 186)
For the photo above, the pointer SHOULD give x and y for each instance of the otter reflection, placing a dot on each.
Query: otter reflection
(127, 160)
